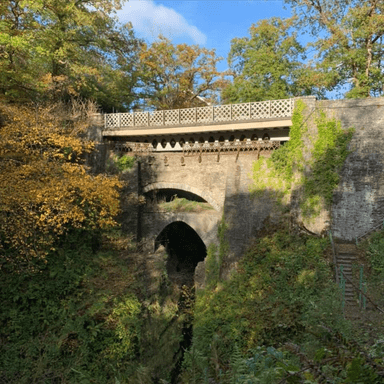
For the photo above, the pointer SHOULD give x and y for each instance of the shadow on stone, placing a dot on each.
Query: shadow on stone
(185, 250)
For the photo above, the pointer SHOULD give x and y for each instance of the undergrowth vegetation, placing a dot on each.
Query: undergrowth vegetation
(181, 204)
(88, 317)
(100, 311)
(279, 320)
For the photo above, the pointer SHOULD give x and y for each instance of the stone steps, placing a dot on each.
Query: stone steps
(346, 256)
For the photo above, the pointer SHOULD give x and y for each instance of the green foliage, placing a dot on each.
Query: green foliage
(373, 266)
(215, 256)
(276, 174)
(124, 163)
(265, 366)
(124, 319)
(223, 240)
(55, 50)
(179, 76)
(212, 266)
(375, 251)
(317, 172)
(348, 40)
(180, 204)
(330, 149)
(88, 317)
(280, 280)
(268, 64)
(279, 319)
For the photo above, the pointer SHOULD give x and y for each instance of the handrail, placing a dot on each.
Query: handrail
(214, 114)
(370, 231)
(363, 293)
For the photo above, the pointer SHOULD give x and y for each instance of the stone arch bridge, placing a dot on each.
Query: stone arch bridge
(206, 155)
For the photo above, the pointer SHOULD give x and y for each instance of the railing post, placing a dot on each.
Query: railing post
(147, 119)
(163, 112)
(270, 114)
(361, 286)
(105, 121)
(250, 113)
(195, 114)
(119, 120)
(213, 113)
(342, 286)
(133, 118)
(178, 115)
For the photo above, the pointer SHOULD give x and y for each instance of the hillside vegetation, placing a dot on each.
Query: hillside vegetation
(111, 315)
(81, 302)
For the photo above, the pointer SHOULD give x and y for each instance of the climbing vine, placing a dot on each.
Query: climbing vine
(276, 173)
(308, 161)
(330, 149)
(216, 255)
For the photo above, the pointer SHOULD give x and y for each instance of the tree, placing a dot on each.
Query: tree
(45, 189)
(66, 48)
(268, 64)
(179, 76)
(349, 41)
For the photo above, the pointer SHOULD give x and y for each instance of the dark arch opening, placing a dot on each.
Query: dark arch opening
(266, 137)
(168, 194)
(185, 250)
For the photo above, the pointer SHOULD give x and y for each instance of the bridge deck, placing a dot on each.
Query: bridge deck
(263, 114)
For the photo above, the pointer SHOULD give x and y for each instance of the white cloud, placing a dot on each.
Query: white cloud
(150, 19)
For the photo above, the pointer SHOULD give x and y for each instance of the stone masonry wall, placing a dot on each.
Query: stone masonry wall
(227, 183)
(358, 203)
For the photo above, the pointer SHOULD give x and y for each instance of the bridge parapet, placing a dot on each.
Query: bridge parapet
(228, 113)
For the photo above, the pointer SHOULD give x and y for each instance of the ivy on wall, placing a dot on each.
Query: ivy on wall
(276, 173)
(330, 150)
(309, 161)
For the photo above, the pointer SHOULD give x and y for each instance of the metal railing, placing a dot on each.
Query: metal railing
(208, 115)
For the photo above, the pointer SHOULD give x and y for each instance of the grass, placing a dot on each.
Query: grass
(184, 205)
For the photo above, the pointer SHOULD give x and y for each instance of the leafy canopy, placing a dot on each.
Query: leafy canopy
(56, 49)
(44, 186)
(349, 42)
(268, 64)
(179, 76)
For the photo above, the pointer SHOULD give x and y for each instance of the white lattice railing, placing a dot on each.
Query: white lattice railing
(208, 115)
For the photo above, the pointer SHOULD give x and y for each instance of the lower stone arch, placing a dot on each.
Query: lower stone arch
(185, 249)
(184, 187)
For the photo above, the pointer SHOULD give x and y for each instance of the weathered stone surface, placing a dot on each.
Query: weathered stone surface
(205, 224)
(358, 203)
(224, 182)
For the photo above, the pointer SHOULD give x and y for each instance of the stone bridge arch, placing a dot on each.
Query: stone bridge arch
(205, 224)
(184, 187)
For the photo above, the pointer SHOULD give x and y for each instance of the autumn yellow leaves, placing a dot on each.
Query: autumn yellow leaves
(44, 186)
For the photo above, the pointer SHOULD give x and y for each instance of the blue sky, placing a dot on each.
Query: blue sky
(212, 24)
